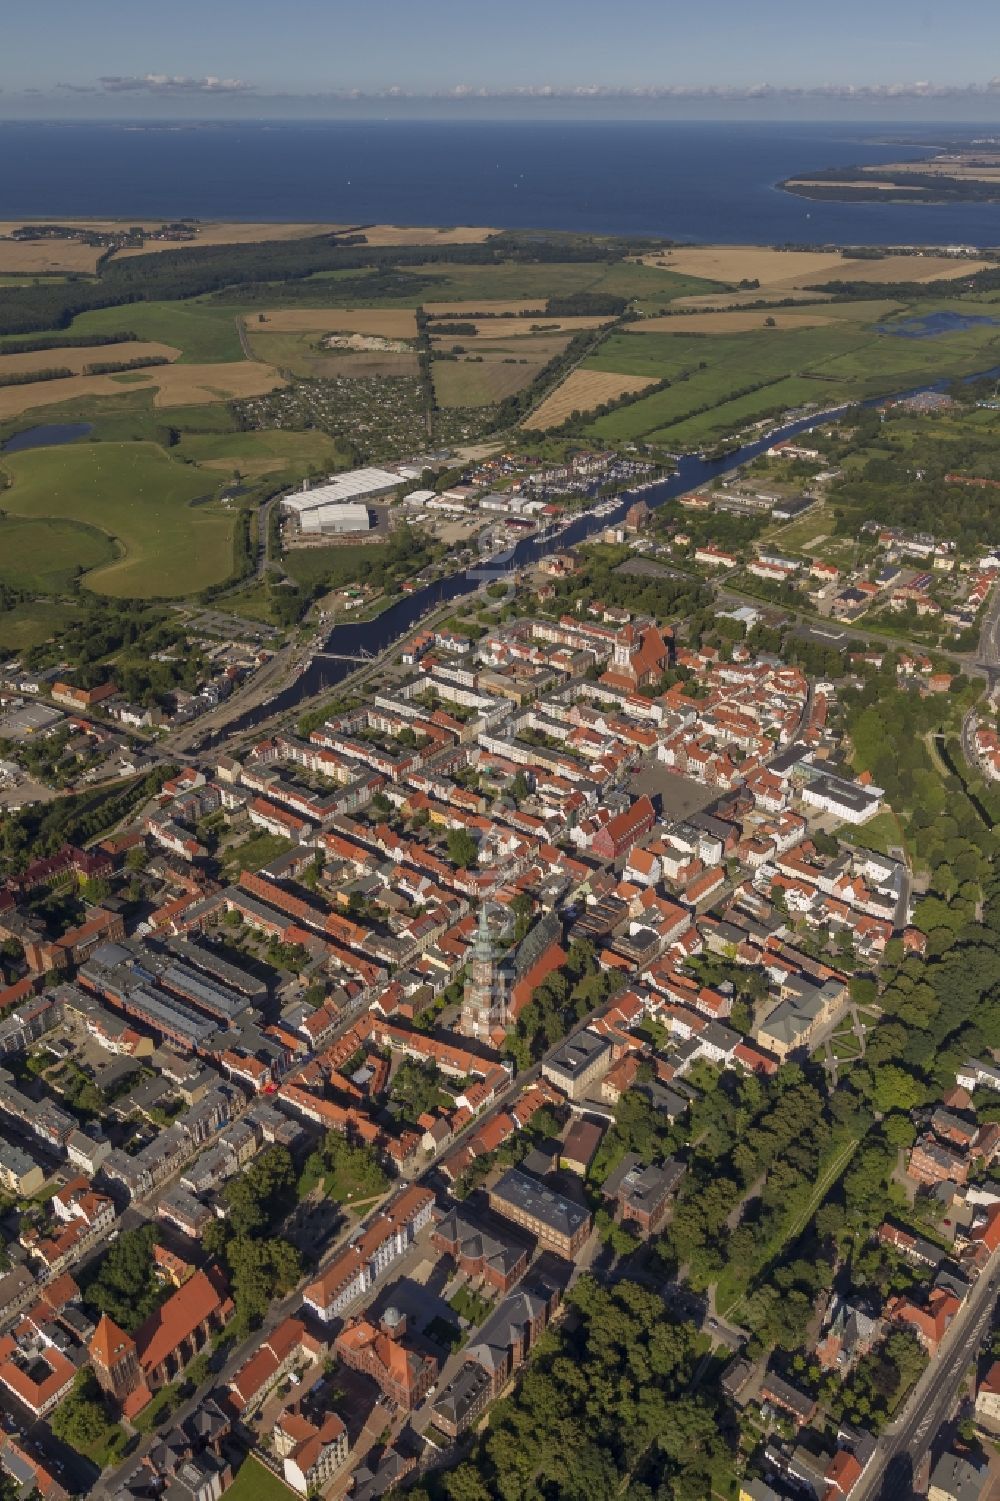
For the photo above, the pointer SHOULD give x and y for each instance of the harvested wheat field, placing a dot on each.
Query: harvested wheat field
(77, 359)
(403, 234)
(390, 323)
(915, 268)
(791, 270)
(542, 348)
(496, 329)
(482, 305)
(48, 257)
(868, 182)
(234, 234)
(173, 385)
(581, 391)
(735, 263)
(14, 400)
(187, 385)
(720, 301)
(740, 322)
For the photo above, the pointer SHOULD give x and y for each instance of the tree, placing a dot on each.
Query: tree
(895, 1089)
(519, 789)
(126, 1286)
(462, 848)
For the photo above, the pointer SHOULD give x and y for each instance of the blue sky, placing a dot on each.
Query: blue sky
(865, 58)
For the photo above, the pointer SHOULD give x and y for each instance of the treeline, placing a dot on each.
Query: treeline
(586, 305)
(66, 341)
(910, 291)
(198, 270)
(32, 377)
(111, 367)
(854, 184)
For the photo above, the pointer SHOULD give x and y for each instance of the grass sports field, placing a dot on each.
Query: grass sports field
(137, 495)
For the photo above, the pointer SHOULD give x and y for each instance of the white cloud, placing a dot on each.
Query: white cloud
(166, 83)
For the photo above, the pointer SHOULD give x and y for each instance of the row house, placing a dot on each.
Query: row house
(355, 1269)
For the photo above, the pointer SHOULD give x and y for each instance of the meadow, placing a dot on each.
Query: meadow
(722, 380)
(201, 331)
(469, 383)
(142, 501)
(47, 556)
(258, 453)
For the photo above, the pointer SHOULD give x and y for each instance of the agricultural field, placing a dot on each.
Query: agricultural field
(172, 385)
(415, 234)
(78, 358)
(230, 234)
(722, 381)
(200, 331)
(474, 383)
(142, 501)
(582, 391)
(46, 256)
(497, 329)
(742, 321)
(255, 454)
(484, 305)
(387, 323)
(795, 270)
(47, 556)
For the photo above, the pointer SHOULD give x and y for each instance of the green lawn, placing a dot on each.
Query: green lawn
(46, 556)
(881, 833)
(136, 494)
(258, 851)
(255, 1482)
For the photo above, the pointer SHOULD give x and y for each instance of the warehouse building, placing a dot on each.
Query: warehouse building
(338, 517)
(355, 487)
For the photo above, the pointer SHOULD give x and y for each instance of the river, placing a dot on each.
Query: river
(374, 636)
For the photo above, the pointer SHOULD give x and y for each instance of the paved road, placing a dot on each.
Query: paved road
(904, 1445)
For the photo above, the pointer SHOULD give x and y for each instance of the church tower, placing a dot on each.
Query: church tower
(115, 1361)
(486, 1003)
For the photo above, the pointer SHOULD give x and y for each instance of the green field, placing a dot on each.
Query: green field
(201, 332)
(721, 381)
(127, 418)
(510, 280)
(469, 383)
(254, 453)
(334, 566)
(136, 494)
(47, 556)
(33, 623)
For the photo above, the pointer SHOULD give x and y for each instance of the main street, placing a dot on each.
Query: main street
(889, 1476)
